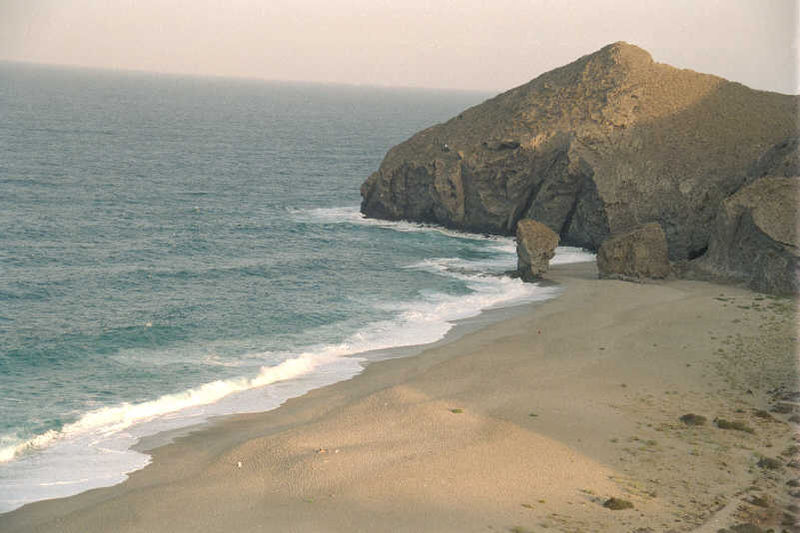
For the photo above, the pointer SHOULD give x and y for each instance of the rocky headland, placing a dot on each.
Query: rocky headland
(606, 145)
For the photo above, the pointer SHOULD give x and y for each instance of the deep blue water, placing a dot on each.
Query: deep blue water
(172, 246)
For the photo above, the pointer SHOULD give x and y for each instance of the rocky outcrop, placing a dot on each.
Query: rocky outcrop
(755, 237)
(536, 246)
(637, 254)
(605, 144)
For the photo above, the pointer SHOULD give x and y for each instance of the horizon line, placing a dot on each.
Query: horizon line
(177, 74)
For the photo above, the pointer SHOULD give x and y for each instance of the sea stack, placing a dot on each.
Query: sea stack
(536, 246)
(602, 146)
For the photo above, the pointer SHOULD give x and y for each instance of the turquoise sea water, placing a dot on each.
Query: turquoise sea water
(173, 248)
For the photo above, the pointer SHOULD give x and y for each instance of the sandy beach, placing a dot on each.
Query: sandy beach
(530, 424)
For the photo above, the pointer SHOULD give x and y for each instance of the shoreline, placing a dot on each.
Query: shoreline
(51, 474)
(530, 422)
(461, 327)
(147, 442)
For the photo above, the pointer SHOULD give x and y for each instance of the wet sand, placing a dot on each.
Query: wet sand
(529, 424)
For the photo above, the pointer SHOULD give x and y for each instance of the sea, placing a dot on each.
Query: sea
(177, 248)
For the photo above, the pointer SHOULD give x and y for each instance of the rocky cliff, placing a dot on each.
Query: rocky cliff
(755, 237)
(605, 144)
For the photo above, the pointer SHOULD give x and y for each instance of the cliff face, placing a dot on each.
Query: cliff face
(605, 144)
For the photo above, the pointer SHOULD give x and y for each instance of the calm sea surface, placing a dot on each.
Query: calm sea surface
(174, 248)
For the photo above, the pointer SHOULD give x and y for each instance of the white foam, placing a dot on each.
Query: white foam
(352, 215)
(109, 420)
(571, 254)
(95, 451)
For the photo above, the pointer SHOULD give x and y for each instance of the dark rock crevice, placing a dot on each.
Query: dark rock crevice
(588, 227)
(694, 254)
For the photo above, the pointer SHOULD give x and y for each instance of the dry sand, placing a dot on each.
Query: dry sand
(530, 424)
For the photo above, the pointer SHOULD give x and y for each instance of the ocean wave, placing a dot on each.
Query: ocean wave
(472, 269)
(97, 450)
(353, 215)
(107, 420)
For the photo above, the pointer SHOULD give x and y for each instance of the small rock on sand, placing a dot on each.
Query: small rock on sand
(617, 504)
(691, 419)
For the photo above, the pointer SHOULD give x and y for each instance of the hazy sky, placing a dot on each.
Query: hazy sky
(470, 44)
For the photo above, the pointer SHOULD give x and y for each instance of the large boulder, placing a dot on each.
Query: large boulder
(755, 237)
(536, 245)
(588, 149)
(640, 253)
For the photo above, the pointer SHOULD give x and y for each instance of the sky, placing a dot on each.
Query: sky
(486, 45)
